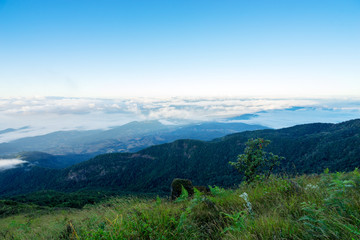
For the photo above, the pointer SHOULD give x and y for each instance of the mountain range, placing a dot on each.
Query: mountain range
(130, 137)
(308, 148)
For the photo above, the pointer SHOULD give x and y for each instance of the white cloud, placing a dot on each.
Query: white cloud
(10, 163)
(48, 114)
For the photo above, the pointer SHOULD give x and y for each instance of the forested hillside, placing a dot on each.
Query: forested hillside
(307, 148)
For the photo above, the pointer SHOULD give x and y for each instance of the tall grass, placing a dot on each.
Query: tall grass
(325, 206)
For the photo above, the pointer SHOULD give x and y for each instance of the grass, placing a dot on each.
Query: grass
(325, 206)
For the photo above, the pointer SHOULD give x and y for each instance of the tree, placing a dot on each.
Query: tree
(255, 163)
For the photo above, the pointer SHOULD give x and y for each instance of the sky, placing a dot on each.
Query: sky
(25, 117)
(95, 64)
(166, 48)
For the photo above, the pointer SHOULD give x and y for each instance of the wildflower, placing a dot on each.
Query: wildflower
(245, 196)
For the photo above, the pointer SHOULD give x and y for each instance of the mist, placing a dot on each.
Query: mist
(10, 163)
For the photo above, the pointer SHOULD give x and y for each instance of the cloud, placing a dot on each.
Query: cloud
(10, 163)
(61, 106)
(48, 114)
(152, 108)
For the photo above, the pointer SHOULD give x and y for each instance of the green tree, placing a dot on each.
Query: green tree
(255, 163)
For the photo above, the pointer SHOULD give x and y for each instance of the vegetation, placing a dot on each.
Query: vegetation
(76, 199)
(45, 160)
(325, 206)
(9, 207)
(308, 148)
(255, 163)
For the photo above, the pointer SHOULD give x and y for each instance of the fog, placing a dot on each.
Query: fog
(10, 163)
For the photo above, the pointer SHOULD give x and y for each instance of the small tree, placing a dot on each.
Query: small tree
(255, 163)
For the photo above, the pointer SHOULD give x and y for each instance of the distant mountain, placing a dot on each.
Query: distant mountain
(9, 130)
(307, 148)
(45, 160)
(127, 138)
(243, 117)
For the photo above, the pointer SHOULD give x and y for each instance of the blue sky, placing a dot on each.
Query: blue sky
(112, 49)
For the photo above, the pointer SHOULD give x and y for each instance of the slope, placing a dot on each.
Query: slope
(130, 137)
(307, 148)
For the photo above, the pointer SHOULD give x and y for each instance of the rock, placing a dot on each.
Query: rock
(176, 187)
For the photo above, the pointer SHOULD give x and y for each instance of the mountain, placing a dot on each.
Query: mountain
(308, 148)
(243, 117)
(45, 160)
(9, 130)
(130, 137)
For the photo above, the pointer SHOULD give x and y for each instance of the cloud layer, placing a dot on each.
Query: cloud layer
(47, 114)
(188, 108)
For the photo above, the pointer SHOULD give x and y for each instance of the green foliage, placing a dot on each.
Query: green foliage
(237, 221)
(255, 163)
(9, 207)
(184, 195)
(158, 201)
(308, 148)
(336, 214)
(216, 191)
(314, 220)
(64, 200)
(328, 207)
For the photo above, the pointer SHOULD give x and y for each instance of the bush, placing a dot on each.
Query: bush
(255, 163)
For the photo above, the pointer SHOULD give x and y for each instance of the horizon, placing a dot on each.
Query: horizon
(42, 115)
(80, 65)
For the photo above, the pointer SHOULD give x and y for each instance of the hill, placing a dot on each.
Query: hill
(307, 148)
(130, 137)
(45, 160)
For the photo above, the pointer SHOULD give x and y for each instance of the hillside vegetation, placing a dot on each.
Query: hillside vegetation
(308, 148)
(325, 206)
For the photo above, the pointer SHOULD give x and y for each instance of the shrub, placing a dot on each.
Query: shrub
(255, 163)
